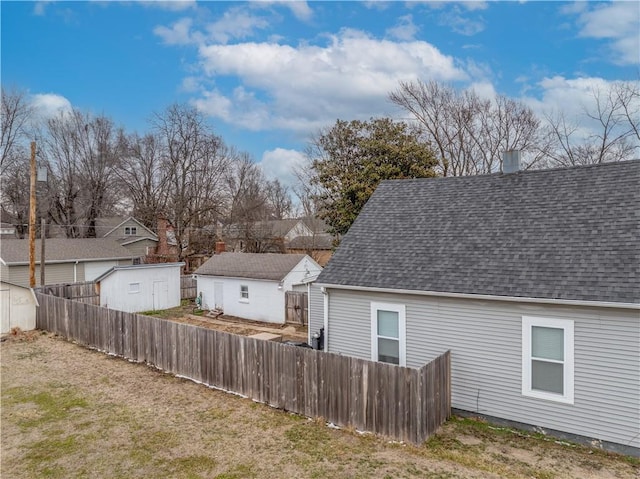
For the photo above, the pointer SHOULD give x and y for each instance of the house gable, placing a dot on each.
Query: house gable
(130, 228)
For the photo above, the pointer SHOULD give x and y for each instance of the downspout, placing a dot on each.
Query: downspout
(326, 318)
(75, 271)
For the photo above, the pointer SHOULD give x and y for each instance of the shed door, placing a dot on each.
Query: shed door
(218, 291)
(160, 295)
(5, 311)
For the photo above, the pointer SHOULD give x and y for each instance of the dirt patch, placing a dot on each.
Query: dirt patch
(72, 412)
(230, 324)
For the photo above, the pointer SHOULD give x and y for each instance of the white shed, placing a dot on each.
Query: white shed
(17, 307)
(143, 287)
(253, 285)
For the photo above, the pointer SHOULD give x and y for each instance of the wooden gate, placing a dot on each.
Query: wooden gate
(296, 305)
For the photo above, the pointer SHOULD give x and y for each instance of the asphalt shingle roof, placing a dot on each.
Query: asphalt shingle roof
(271, 266)
(568, 234)
(16, 251)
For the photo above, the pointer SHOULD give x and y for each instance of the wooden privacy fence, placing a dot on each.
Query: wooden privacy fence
(403, 403)
(188, 287)
(296, 304)
(82, 292)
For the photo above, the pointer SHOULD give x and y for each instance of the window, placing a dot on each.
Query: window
(134, 288)
(244, 293)
(388, 338)
(130, 230)
(547, 358)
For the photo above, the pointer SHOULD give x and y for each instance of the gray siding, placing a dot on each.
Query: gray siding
(485, 341)
(139, 248)
(316, 310)
(56, 273)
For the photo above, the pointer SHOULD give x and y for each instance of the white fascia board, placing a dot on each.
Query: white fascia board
(489, 297)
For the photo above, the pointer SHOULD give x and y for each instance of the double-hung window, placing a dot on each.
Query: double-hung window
(547, 358)
(388, 337)
(244, 293)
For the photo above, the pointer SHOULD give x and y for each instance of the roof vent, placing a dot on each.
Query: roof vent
(511, 161)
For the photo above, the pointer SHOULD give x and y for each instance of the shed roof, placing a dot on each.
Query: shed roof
(16, 251)
(270, 266)
(143, 267)
(562, 234)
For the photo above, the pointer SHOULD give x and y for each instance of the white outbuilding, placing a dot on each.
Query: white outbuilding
(143, 287)
(17, 307)
(253, 285)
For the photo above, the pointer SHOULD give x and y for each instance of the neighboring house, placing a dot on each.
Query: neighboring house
(271, 236)
(253, 285)
(7, 231)
(66, 260)
(137, 288)
(318, 246)
(131, 234)
(531, 279)
(17, 307)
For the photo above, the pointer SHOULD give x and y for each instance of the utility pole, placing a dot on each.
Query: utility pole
(32, 219)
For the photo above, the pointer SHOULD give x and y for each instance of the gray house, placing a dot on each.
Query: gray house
(531, 279)
(66, 260)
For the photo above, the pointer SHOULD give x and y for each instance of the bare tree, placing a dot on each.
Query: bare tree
(612, 133)
(15, 194)
(469, 133)
(248, 205)
(16, 113)
(81, 151)
(194, 162)
(144, 178)
(278, 200)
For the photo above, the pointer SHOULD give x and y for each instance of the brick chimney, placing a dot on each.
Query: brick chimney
(220, 247)
(163, 246)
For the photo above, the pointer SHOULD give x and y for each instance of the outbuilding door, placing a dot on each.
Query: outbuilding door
(160, 295)
(5, 311)
(218, 291)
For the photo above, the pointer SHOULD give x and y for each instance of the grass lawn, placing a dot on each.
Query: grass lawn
(68, 412)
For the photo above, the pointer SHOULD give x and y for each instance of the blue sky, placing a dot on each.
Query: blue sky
(270, 74)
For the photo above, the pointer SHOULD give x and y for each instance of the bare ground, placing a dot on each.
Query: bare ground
(71, 412)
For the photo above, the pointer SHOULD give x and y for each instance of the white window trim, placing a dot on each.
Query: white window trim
(567, 325)
(135, 284)
(131, 230)
(402, 320)
(242, 299)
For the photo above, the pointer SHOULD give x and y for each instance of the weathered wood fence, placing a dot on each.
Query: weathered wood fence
(188, 287)
(84, 292)
(296, 305)
(403, 403)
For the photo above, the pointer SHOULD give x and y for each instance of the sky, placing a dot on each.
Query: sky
(268, 74)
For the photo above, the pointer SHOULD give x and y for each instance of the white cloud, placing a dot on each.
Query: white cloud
(306, 87)
(300, 8)
(171, 5)
(618, 22)
(235, 23)
(462, 24)
(39, 8)
(179, 33)
(405, 29)
(281, 163)
(48, 105)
